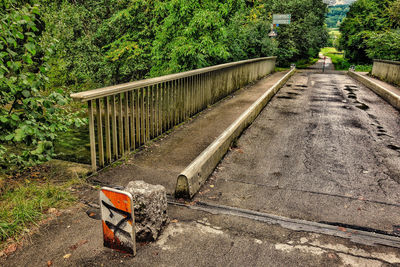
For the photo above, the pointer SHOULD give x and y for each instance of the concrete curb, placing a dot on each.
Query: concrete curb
(390, 97)
(194, 176)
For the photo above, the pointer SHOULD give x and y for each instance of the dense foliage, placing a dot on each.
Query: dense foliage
(335, 15)
(384, 45)
(108, 42)
(49, 48)
(29, 117)
(370, 30)
(307, 33)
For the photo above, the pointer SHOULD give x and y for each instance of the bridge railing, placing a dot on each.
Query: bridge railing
(126, 116)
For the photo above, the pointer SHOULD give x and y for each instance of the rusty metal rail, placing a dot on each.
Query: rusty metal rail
(126, 116)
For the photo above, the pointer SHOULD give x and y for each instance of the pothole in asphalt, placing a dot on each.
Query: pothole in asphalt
(354, 124)
(277, 174)
(350, 90)
(352, 96)
(382, 134)
(361, 106)
(393, 147)
(288, 113)
(285, 97)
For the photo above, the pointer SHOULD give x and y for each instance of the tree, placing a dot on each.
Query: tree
(113, 41)
(364, 18)
(394, 13)
(29, 117)
(384, 45)
(335, 15)
(306, 34)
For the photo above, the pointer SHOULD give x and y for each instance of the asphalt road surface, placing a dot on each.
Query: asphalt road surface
(325, 149)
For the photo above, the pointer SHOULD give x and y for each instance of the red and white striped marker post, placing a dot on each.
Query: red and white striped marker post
(118, 220)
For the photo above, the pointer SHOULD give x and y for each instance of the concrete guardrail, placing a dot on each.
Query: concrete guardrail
(194, 176)
(387, 70)
(387, 95)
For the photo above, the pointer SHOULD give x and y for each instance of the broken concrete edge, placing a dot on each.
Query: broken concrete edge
(355, 235)
(150, 209)
(381, 91)
(196, 173)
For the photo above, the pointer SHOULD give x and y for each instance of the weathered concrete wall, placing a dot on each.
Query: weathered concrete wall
(387, 70)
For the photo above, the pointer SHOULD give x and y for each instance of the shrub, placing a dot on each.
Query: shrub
(29, 117)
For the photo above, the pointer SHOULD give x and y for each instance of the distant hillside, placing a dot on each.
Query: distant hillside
(339, 2)
(344, 2)
(336, 15)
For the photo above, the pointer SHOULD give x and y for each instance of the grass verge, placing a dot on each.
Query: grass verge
(300, 64)
(305, 63)
(23, 205)
(340, 62)
(29, 197)
(279, 69)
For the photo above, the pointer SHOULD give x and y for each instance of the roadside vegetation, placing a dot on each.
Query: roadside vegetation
(334, 35)
(52, 48)
(363, 31)
(305, 63)
(341, 63)
(371, 30)
(24, 203)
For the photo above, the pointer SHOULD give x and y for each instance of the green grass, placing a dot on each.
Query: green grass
(23, 205)
(364, 68)
(334, 33)
(300, 64)
(278, 69)
(340, 62)
(328, 50)
(305, 63)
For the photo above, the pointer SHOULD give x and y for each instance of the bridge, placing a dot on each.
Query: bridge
(274, 164)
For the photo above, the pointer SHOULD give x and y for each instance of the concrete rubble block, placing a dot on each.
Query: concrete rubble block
(150, 208)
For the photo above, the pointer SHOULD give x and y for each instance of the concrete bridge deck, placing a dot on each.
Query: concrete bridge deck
(161, 162)
(324, 149)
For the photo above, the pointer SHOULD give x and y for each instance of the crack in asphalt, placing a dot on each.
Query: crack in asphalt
(349, 254)
(381, 186)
